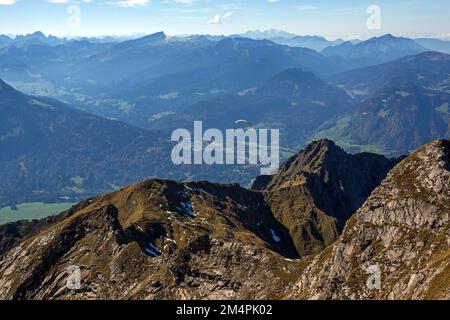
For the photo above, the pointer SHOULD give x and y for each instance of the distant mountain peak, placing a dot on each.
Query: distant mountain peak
(377, 49)
(392, 40)
(326, 173)
(314, 154)
(323, 144)
(155, 36)
(36, 35)
(318, 157)
(388, 36)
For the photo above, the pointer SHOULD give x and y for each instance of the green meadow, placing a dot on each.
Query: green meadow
(31, 211)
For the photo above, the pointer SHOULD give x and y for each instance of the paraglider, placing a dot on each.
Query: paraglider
(244, 123)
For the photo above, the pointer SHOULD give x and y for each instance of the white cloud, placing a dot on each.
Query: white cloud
(218, 19)
(7, 2)
(130, 3)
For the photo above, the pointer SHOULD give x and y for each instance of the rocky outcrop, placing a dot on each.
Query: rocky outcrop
(397, 245)
(319, 189)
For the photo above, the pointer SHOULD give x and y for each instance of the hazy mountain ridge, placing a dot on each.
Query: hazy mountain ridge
(270, 85)
(51, 150)
(316, 43)
(376, 50)
(136, 79)
(403, 104)
(294, 101)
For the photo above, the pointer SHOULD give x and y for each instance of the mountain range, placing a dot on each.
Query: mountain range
(389, 108)
(400, 235)
(136, 79)
(316, 43)
(400, 105)
(375, 50)
(360, 212)
(294, 101)
(51, 152)
(162, 239)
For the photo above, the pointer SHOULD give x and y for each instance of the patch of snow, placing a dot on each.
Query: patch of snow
(152, 250)
(275, 237)
(201, 190)
(171, 240)
(189, 208)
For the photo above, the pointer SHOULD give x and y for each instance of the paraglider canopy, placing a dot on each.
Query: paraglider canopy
(244, 123)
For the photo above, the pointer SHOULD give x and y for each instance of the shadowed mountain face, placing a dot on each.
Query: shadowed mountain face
(47, 146)
(429, 69)
(317, 191)
(401, 235)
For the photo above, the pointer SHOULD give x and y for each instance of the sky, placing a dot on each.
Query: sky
(346, 19)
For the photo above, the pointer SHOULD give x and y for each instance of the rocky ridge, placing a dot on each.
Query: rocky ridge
(196, 240)
(319, 189)
(402, 232)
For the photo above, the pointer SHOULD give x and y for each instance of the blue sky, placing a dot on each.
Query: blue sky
(333, 19)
